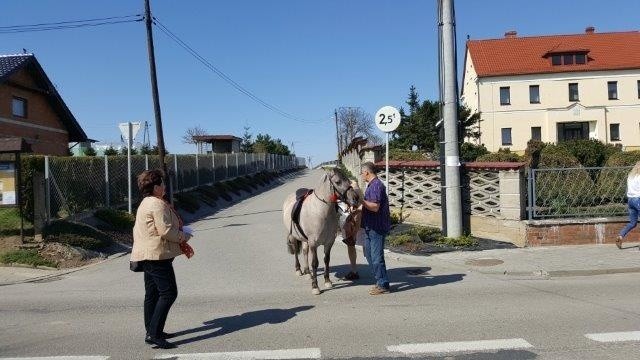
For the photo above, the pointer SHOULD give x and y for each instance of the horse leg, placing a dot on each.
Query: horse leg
(327, 258)
(294, 248)
(305, 257)
(314, 271)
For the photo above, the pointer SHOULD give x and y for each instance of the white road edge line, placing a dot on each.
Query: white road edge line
(615, 336)
(460, 346)
(58, 358)
(309, 353)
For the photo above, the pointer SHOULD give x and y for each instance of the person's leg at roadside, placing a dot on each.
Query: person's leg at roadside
(353, 274)
(164, 277)
(633, 205)
(378, 263)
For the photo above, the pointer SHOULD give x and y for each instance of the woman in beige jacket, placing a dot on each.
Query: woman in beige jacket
(157, 236)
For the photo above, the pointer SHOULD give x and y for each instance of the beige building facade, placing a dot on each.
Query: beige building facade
(552, 94)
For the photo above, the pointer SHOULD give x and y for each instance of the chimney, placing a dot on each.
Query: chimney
(590, 30)
(511, 34)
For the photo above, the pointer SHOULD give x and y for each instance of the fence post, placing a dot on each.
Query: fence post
(237, 165)
(213, 166)
(226, 165)
(245, 163)
(106, 181)
(531, 199)
(146, 162)
(47, 182)
(197, 172)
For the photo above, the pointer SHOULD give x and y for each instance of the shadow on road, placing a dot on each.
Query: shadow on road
(402, 279)
(227, 325)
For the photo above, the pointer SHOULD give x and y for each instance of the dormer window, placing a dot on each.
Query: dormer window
(576, 57)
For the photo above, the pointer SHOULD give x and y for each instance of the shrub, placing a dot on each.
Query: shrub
(627, 158)
(470, 152)
(28, 257)
(396, 217)
(502, 155)
(400, 239)
(590, 153)
(462, 241)
(532, 153)
(118, 219)
(555, 156)
(209, 191)
(425, 233)
(90, 152)
(405, 155)
(110, 151)
(75, 234)
(561, 189)
(30, 166)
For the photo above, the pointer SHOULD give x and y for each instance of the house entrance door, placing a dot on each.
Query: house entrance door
(573, 131)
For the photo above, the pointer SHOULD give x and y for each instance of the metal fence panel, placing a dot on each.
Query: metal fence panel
(578, 192)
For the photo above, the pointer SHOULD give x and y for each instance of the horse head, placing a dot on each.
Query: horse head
(342, 188)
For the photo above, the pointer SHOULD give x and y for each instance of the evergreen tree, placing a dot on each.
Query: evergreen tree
(110, 151)
(246, 145)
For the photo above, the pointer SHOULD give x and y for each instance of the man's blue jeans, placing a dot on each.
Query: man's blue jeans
(374, 252)
(634, 208)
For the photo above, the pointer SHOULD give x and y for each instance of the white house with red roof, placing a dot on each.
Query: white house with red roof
(555, 88)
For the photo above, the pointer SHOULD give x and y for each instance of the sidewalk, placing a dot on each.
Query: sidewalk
(555, 261)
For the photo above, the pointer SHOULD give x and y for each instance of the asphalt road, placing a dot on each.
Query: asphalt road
(239, 297)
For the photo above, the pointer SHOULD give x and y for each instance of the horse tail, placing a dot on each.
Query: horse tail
(293, 245)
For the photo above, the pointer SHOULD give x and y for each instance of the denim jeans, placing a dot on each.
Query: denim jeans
(374, 252)
(161, 291)
(634, 208)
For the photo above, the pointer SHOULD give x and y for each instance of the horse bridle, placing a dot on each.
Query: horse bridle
(334, 190)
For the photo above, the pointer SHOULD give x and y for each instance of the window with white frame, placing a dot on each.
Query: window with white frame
(534, 94)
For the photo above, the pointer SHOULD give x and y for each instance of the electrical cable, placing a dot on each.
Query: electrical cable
(228, 79)
(29, 28)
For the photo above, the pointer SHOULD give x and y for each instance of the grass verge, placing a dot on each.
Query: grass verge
(27, 257)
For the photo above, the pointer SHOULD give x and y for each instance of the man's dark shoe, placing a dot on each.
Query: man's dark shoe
(161, 343)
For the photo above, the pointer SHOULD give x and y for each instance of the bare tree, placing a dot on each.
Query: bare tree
(188, 137)
(354, 122)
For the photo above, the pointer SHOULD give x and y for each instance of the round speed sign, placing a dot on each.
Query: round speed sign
(387, 118)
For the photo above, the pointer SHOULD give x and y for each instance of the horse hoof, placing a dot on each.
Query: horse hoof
(298, 272)
(328, 284)
(315, 291)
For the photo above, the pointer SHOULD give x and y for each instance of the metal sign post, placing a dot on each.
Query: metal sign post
(387, 120)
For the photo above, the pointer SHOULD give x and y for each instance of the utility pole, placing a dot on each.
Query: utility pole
(335, 112)
(156, 99)
(450, 116)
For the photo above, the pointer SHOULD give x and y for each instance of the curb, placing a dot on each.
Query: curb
(418, 260)
(62, 272)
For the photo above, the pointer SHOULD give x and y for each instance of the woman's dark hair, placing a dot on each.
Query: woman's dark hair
(147, 180)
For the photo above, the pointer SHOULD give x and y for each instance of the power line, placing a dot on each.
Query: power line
(228, 79)
(72, 24)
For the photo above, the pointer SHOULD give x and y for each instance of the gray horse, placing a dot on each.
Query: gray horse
(318, 221)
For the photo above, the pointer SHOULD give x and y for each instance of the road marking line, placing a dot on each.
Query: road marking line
(615, 336)
(309, 353)
(460, 346)
(59, 358)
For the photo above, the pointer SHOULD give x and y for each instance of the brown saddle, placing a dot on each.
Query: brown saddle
(301, 195)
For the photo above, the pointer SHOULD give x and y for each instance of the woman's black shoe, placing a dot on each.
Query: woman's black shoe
(161, 343)
(163, 335)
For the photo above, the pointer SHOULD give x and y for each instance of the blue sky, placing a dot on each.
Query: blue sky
(305, 57)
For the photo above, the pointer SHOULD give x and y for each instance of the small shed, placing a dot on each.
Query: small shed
(217, 144)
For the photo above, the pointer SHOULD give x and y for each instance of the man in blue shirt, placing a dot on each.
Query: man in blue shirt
(376, 222)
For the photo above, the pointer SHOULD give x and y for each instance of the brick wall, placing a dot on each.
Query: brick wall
(577, 232)
(39, 112)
